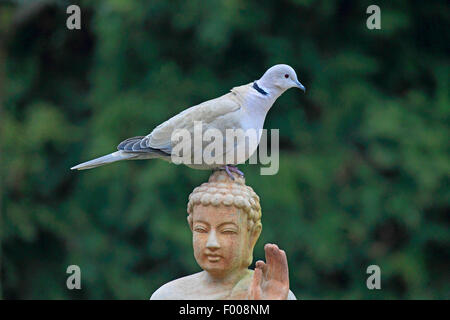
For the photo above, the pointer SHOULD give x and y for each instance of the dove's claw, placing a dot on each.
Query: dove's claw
(230, 169)
(227, 169)
(235, 169)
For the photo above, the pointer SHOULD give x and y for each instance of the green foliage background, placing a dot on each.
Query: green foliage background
(364, 159)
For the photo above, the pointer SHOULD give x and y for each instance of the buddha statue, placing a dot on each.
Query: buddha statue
(224, 216)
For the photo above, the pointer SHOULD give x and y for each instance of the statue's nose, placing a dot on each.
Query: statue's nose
(212, 241)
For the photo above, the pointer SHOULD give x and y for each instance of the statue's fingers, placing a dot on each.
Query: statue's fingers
(261, 265)
(268, 248)
(274, 267)
(257, 276)
(278, 265)
(255, 287)
(283, 265)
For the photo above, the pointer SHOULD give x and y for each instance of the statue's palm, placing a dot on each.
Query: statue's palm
(271, 279)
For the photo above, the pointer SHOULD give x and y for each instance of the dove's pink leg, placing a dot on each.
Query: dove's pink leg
(227, 169)
(236, 170)
(230, 169)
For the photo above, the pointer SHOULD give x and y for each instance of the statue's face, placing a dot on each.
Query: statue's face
(221, 240)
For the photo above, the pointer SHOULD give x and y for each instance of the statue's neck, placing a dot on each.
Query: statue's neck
(228, 280)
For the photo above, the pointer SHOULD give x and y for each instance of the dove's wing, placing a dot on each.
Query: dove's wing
(208, 112)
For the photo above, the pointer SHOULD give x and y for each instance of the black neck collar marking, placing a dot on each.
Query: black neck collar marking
(257, 88)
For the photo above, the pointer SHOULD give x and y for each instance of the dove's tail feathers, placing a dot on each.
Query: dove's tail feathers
(139, 145)
(109, 158)
(127, 145)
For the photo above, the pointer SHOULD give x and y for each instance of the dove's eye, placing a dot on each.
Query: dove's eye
(286, 75)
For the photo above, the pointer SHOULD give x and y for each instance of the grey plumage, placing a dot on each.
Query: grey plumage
(245, 107)
(109, 158)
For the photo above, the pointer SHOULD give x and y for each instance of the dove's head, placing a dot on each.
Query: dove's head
(279, 78)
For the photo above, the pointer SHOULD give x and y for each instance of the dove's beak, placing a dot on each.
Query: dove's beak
(302, 87)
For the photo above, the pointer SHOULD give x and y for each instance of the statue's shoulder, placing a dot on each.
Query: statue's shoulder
(291, 296)
(176, 289)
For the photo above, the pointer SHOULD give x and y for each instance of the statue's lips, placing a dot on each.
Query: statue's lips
(213, 257)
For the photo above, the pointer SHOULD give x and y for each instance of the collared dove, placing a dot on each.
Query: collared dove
(245, 107)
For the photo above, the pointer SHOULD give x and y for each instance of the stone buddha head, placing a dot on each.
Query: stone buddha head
(225, 219)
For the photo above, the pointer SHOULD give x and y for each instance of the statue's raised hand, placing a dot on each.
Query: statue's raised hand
(270, 279)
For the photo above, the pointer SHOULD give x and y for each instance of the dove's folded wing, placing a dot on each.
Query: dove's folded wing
(208, 112)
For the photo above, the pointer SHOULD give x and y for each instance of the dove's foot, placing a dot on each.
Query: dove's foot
(229, 169)
(236, 170)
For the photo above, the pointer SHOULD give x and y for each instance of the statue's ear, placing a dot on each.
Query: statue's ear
(189, 220)
(256, 232)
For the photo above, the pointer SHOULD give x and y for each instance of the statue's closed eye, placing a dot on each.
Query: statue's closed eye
(200, 229)
(229, 231)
